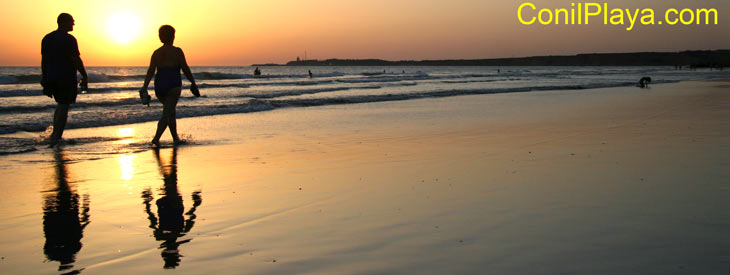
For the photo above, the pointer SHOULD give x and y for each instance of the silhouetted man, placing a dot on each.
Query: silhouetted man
(60, 59)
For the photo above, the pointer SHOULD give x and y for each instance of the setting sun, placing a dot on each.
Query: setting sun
(123, 27)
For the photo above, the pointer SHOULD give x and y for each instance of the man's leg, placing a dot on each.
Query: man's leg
(59, 121)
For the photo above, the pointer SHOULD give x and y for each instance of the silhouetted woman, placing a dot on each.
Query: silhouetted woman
(169, 224)
(167, 60)
(64, 218)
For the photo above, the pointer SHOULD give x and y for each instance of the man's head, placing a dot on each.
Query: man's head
(65, 22)
(167, 34)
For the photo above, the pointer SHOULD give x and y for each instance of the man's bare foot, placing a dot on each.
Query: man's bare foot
(156, 143)
(177, 142)
(53, 142)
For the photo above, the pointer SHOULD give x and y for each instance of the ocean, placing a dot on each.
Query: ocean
(113, 99)
(436, 174)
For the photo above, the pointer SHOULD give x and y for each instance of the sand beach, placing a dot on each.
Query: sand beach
(595, 181)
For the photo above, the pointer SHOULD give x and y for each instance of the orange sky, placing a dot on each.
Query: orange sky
(243, 32)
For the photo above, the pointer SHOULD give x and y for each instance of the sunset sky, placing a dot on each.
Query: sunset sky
(242, 32)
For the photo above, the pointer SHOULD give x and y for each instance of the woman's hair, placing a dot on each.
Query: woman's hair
(167, 34)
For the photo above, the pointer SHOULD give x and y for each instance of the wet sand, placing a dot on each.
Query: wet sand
(614, 181)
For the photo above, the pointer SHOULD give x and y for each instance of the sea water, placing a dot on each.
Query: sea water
(112, 98)
(503, 195)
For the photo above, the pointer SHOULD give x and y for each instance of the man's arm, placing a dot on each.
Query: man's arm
(44, 78)
(44, 66)
(80, 67)
(44, 71)
(76, 59)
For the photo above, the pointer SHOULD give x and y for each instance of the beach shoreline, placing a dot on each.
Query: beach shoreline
(611, 180)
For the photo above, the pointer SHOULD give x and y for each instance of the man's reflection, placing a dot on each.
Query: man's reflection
(63, 221)
(170, 223)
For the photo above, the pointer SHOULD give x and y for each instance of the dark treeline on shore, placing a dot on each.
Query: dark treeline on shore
(691, 59)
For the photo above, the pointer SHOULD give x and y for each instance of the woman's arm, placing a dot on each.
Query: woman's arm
(150, 73)
(188, 74)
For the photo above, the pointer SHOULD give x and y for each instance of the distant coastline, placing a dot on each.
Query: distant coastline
(689, 59)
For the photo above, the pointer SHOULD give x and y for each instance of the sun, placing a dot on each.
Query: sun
(123, 27)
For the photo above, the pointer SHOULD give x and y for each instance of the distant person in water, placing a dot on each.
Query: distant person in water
(257, 71)
(60, 59)
(310, 74)
(644, 82)
(168, 60)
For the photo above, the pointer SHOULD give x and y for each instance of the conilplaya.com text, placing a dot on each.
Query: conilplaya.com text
(596, 13)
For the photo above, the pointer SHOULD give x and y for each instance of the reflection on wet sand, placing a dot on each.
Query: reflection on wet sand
(170, 224)
(63, 221)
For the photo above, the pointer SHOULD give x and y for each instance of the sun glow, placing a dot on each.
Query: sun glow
(123, 27)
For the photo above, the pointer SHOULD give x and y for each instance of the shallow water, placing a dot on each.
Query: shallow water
(507, 183)
(113, 100)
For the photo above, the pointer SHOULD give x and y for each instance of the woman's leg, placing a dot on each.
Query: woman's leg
(161, 125)
(168, 116)
(172, 116)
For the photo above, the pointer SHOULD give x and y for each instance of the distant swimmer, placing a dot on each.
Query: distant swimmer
(257, 71)
(644, 82)
(310, 74)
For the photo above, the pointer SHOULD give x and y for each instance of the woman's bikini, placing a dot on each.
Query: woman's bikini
(166, 79)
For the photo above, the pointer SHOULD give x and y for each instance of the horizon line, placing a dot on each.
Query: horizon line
(411, 60)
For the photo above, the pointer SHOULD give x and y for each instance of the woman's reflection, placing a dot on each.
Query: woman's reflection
(170, 224)
(63, 221)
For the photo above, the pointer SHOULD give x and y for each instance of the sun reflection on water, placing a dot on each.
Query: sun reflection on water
(125, 132)
(126, 165)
